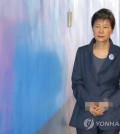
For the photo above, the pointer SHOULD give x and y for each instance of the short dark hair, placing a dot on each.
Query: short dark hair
(104, 14)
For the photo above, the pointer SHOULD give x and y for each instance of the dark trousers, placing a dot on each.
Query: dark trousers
(97, 131)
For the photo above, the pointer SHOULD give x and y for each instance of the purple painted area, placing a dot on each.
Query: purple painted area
(6, 77)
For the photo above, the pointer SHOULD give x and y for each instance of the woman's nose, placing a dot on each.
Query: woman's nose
(101, 30)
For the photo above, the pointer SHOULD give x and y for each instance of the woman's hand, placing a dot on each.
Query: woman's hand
(98, 108)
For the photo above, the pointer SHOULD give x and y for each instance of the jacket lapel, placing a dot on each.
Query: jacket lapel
(91, 61)
(110, 58)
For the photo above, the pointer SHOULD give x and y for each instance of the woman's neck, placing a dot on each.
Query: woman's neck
(101, 49)
(102, 45)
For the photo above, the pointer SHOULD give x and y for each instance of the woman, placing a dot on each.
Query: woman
(95, 80)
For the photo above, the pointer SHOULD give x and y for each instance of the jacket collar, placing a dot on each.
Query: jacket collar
(111, 49)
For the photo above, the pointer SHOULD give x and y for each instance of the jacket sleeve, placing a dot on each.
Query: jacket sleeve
(115, 98)
(79, 92)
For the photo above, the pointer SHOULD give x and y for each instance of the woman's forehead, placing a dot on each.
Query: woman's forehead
(102, 21)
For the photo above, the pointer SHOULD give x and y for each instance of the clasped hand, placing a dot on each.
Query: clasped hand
(97, 109)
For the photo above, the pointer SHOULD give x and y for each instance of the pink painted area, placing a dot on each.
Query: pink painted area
(12, 10)
(7, 32)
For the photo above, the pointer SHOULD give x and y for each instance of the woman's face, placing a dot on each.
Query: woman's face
(102, 30)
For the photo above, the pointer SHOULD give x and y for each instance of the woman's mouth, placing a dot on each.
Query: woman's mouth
(100, 36)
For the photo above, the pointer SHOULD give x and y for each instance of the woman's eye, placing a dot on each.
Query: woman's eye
(97, 26)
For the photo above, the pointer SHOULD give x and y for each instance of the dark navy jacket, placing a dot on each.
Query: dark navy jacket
(90, 86)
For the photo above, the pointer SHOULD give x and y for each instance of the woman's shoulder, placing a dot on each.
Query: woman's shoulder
(83, 48)
(116, 48)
